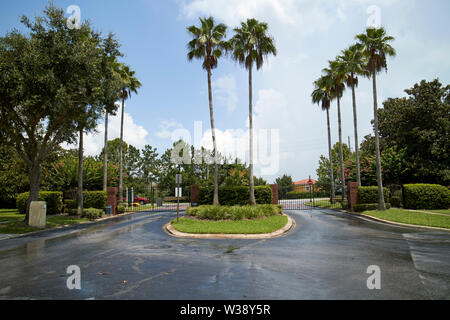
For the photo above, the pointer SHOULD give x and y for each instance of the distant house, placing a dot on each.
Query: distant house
(304, 185)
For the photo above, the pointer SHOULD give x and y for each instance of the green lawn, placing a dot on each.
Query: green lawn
(11, 222)
(411, 217)
(261, 226)
(438, 211)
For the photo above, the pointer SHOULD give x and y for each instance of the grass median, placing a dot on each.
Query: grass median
(412, 217)
(259, 219)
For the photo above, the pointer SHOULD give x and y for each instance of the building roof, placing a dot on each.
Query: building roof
(305, 181)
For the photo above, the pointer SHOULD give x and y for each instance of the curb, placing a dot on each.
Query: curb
(402, 224)
(276, 234)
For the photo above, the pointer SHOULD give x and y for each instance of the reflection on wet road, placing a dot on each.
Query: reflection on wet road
(325, 257)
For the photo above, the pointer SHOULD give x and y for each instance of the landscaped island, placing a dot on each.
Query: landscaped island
(259, 219)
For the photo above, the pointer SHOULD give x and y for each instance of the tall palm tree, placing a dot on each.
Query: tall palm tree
(208, 44)
(336, 79)
(353, 63)
(322, 96)
(250, 46)
(375, 44)
(130, 85)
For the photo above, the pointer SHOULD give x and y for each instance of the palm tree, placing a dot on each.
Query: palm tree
(336, 79)
(250, 46)
(130, 85)
(353, 63)
(208, 44)
(376, 47)
(322, 96)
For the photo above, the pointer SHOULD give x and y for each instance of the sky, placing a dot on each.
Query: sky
(173, 101)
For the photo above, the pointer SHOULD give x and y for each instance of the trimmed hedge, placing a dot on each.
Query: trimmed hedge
(52, 198)
(232, 196)
(120, 209)
(235, 213)
(92, 213)
(94, 199)
(426, 196)
(396, 202)
(369, 195)
(369, 207)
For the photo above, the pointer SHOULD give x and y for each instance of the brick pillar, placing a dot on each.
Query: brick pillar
(274, 193)
(195, 195)
(353, 195)
(112, 199)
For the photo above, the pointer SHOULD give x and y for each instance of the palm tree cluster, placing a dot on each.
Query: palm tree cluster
(250, 46)
(365, 58)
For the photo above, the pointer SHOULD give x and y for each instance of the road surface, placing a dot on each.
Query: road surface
(325, 257)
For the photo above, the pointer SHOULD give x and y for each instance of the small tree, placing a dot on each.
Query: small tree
(46, 78)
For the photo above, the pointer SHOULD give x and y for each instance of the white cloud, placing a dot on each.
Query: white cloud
(225, 94)
(134, 134)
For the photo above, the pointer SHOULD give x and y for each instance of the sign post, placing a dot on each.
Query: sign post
(178, 194)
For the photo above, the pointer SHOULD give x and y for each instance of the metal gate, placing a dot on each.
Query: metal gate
(306, 197)
(140, 198)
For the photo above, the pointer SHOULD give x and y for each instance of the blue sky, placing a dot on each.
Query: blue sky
(307, 34)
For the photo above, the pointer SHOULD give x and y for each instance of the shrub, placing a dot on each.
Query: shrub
(369, 195)
(53, 200)
(94, 199)
(344, 205)
(231, 196)
(426, 196)
(120, 209)
(396, 202)
(369, 207)
(234, 212)
(92, 213)
(69, 205)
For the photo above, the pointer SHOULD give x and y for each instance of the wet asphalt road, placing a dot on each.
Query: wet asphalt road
(325, 257)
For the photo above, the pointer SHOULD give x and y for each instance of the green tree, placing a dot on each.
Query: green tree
(324, 172)
(420, 123)
(322, 96)
(130, 84)
(285, 185)
(353, 63)
(251, 45)
(337, 77)
(46, 76)
(376, 47)
(208, 44)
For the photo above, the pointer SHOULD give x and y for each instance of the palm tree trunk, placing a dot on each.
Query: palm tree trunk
(381, 203)
(80, 175)
(341, 151)
(355, 124)
(121, 155)
(333, 193)
(105, 156)
(213, 130)
(250, 94)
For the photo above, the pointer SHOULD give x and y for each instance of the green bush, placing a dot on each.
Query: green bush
(94, 199)
(92, 213)
(426, 196)
(53, 199)
(344, 205)
(69, 205)
(369, 207)
(369, 195)
(396, 202)
(120, 209)
(231, 196)
(217, 213)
